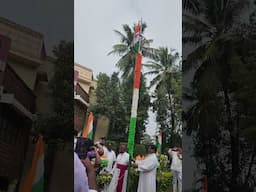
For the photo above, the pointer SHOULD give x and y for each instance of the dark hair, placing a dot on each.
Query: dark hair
(83, 145)
(178, 145)
(153, 147)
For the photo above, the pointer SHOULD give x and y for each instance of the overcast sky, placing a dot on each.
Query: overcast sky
(95, 21)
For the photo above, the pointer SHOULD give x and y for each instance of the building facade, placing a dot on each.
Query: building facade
(83, 89)
(24, 74)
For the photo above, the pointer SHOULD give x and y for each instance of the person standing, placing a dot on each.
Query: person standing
(147, 169)
(111, 155)
(176, 167)
(120, 171)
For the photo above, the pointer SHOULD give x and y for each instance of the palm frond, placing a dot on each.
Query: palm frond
(194, 57)
(151, 72)
(129, 32)
(119, 49)
(197, 25)
(149, 52)
(122, 36)
(153, 65)
(192, 6)
(155, 80)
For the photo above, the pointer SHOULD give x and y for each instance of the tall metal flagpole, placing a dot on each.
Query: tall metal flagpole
(135, 98)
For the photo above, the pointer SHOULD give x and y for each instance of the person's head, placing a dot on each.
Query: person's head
(176, 146)
(151, 149)
(83, 145)
(102, 140)
(122, 148)
(109, 146)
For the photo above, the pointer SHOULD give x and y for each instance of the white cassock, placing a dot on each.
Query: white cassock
(111, 155)
(120, 173)
(147, 169)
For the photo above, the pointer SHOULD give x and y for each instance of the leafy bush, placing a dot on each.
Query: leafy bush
(164, 181)
(163, 160)
(103, 180)
(133, 179)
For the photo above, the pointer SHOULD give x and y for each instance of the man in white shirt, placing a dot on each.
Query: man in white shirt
(120, 171)
(176, 167)
(111, 156)
(147, 169)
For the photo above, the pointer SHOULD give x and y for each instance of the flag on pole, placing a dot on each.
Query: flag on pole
(136, 38)
(88, 130)
(34, 180)
(136, 86)
(159, 142)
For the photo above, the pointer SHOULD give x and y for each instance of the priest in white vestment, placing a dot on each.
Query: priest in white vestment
(120, 171)
(147, 169)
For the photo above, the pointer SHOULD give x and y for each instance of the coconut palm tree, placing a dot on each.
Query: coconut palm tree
(125, 50)
(210, 28)
(166, 73)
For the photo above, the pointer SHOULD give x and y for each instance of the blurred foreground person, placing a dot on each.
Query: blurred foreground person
(176, 167)
(85, 159)
(147, 169)
(84, 175)
(120, 171)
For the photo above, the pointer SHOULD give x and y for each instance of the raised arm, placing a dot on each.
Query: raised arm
(147, 165)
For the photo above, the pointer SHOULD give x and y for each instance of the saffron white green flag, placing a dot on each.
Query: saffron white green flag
(34, 180)
(136, 38)
(88, 130)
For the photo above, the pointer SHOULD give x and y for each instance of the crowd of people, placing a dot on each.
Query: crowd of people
(91, 159)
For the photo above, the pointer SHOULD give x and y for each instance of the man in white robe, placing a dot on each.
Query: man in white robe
(147, 169)
(120, 171)
(111, 155)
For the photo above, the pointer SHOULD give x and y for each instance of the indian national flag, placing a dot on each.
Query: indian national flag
(159, 142)
(137, 38)
(34, 180)
(88, 131)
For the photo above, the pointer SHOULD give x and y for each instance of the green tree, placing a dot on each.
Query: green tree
(102, 95)
(117, 115)
(59, 124)
(124, 49)
(108, 103)
(167, 84)
(215, 116)
(57, 127)
(147, 139)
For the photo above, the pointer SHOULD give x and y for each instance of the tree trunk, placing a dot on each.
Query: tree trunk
(234, 141)
(171, 108)
(250, 166)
